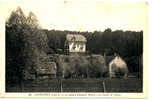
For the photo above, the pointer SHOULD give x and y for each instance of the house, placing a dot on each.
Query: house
(75, 44)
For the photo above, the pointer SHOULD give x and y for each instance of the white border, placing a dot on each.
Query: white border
(63, 95)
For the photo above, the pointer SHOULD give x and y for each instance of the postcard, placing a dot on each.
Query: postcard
(74, 49)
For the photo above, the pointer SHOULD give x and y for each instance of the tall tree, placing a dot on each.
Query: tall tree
(24, 43)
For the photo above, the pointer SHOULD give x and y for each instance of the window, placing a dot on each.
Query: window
(81, 47)
(74, 47)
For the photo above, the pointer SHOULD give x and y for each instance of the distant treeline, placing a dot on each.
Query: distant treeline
(25, 41)
(124, 43)
(128, 44)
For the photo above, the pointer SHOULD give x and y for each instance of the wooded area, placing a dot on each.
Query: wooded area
(25, 41)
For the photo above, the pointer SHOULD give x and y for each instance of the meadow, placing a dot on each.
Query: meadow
(128, 85)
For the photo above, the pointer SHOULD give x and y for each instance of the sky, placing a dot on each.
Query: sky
(82, 15)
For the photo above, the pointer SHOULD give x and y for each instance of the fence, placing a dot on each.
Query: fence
(79, 85)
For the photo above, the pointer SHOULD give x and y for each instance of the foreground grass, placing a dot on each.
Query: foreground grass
(78, 85)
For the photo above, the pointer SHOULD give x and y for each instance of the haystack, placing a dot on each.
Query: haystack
(118, 67)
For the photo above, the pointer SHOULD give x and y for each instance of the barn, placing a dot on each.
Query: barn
(75, 44)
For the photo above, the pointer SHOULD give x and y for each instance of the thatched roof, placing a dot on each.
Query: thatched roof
(48, 68)
(75, 37)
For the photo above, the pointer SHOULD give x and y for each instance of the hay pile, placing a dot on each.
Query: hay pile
(81, 66)
(118, 67)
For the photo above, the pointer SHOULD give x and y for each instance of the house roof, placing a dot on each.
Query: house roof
(75, 37)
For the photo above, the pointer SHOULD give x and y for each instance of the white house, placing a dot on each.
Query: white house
(75, 43)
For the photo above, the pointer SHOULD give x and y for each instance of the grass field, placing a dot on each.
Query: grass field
(79, 85)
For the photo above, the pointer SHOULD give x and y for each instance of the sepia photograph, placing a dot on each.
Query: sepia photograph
(62, 46)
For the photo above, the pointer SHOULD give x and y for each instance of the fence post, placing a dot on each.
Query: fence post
(104, 86)
(61, 85)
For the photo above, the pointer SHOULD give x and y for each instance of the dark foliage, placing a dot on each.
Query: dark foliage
(128, 44)
(25, 41)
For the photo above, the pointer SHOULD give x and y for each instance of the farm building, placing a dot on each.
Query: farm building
(47, 66)
(118, 67)
(48, 69)
(75, 44)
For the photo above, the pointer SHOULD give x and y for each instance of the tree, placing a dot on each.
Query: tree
(14, 45)
(32, 21)
(25, 41)
(108, 30)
